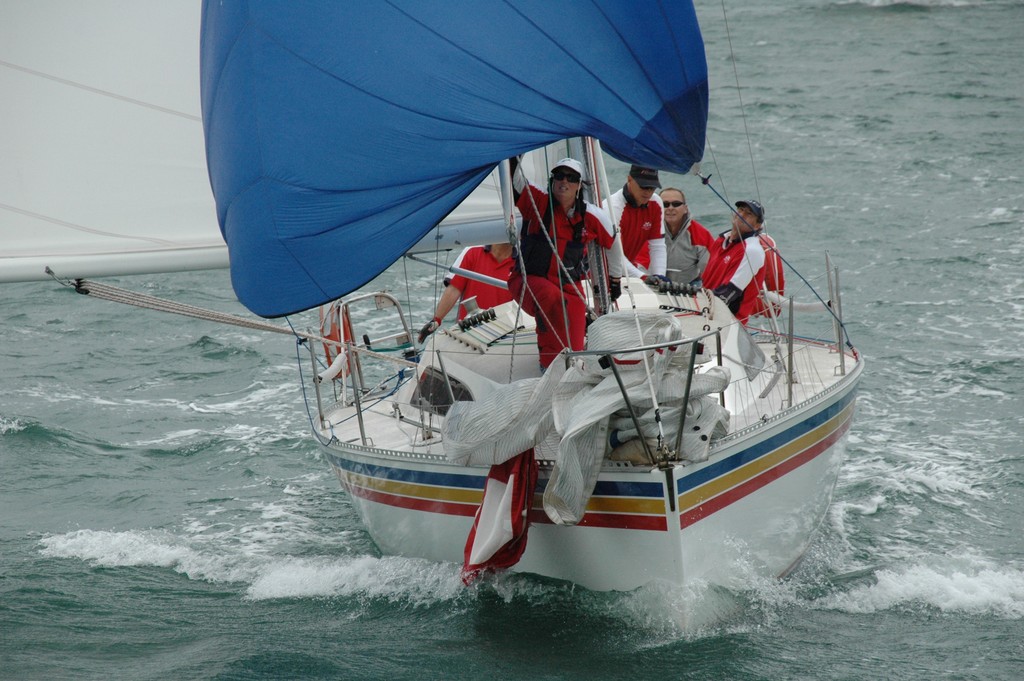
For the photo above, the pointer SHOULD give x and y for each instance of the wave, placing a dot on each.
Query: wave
(966, 585)
(908, 5)
(11, 425)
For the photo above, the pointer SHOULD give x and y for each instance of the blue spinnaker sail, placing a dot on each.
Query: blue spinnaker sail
(339, 133)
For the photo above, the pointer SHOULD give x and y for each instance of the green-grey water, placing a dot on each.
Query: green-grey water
(167, 515)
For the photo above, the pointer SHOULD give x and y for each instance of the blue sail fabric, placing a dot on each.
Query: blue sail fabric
(339, 133)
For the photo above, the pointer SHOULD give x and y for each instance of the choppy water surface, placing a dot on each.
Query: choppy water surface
(167, 515)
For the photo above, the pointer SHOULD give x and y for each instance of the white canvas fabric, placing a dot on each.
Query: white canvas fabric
(568, 413)
(503, 423)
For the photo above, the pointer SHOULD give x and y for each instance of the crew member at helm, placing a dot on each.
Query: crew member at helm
(546, 281)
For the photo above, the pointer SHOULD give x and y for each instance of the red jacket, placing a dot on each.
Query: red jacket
(479, 259)
(533, 204)
(740, 263)
(774, 275)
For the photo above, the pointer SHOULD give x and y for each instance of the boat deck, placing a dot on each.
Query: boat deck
(771, 374)
(403, 429)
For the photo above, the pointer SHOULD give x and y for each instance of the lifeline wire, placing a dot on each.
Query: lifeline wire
(120, 295)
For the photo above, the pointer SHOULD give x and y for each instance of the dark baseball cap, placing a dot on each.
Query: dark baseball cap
(645, 177)
(755, 207)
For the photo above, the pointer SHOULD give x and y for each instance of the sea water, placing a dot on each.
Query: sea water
(167, 515)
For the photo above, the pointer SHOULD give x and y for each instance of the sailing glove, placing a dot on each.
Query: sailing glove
(428, 328)
(614, 289)
(656, 280)
(731, 295)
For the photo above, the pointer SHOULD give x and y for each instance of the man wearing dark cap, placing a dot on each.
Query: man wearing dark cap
(735, 269)
(637, 211)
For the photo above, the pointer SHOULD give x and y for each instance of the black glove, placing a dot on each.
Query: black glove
(656, 280)
(614, 289)
(731, 295)
(428, 328)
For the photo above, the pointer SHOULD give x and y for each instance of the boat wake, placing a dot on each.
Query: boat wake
(969, 585)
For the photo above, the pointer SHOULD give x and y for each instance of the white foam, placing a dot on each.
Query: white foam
(392, 578)
(8, 425)
(917, 3)
(140, 548)
(177, 437)
(966, 585)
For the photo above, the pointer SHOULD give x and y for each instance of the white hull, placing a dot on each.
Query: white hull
(756, 501)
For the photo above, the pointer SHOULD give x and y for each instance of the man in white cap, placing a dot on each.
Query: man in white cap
(548, 286)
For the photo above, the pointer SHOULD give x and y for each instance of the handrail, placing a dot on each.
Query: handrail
(641, 348)
(607, 355)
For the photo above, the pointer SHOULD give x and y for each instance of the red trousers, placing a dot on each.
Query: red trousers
(553, 320)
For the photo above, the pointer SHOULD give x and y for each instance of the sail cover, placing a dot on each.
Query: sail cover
(102, 164)
(339, 133)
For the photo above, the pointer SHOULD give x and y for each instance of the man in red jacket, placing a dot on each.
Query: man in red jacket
(735, 269)
(774, 276)
(494, 261)
(637, 211)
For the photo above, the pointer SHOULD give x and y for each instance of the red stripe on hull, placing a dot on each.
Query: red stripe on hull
(617, 520)
(426, 505)
(537, 515)
(750, 486)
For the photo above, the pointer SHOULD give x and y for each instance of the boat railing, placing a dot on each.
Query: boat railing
(353, 349)
(664, 455)
(397, 350)
(837, 310)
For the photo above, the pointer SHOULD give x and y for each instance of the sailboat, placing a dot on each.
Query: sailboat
(334, 149)
(342, 137)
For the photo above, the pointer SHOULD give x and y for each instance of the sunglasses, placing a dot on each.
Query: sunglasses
(558, 176)
(674, 204)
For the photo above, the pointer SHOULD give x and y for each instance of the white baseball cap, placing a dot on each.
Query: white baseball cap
(570, 163)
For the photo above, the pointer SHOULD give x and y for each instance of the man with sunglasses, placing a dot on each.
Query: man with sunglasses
(637, 210)
(687, 242)
(548, 287)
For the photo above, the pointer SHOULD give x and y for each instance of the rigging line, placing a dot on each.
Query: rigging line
(714, 162)
(408, 288)
(126, 297)
(706, 181)
(455, 270)
(436, 276)
(509, 209)
(739, 95)
(554, 248)
(617, 232)
(305, 398)
(521, 264)
(98, 91)
(554, 251)
(647, 371)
